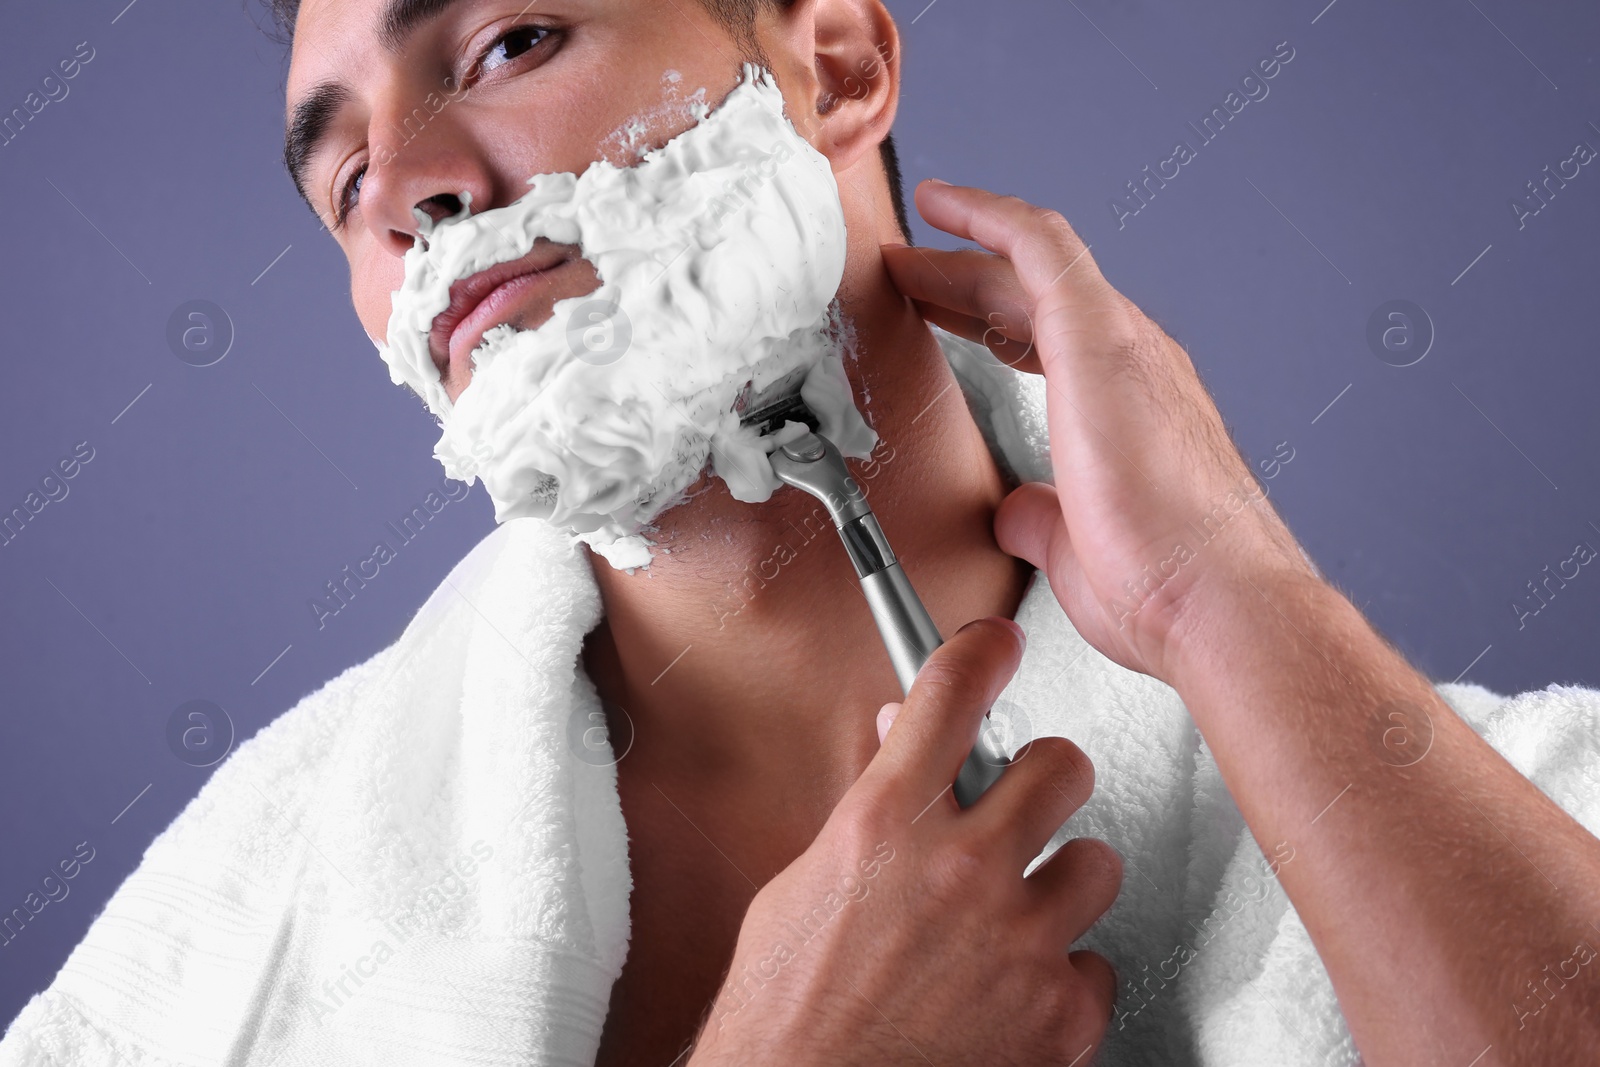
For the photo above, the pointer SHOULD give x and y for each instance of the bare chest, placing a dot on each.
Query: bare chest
(685, 910)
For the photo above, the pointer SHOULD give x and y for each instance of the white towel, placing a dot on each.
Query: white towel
(408, 867)
(425, 861)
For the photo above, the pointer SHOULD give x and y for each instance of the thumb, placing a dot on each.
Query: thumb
(1029, 524)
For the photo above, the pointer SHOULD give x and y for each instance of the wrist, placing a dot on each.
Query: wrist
(1230, 608)
(715, 1047)
(1192, 587)
(797, 1033)
(740, 1029)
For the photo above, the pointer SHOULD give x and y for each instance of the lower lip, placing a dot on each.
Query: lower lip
(486, 315)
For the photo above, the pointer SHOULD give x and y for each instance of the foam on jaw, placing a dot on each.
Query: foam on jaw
(719, 255)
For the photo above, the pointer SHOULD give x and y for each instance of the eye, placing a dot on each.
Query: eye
(510, 45)
(349, 196)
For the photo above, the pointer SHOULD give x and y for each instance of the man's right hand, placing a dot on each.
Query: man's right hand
(907, 933)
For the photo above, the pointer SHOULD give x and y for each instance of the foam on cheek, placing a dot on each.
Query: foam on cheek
(719, 256)
(629, 142)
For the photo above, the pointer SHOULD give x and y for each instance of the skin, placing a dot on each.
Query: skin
(1429, 925)
(713, 812)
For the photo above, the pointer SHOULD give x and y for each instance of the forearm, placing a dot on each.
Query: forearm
(1435, 888)
(1434, 892)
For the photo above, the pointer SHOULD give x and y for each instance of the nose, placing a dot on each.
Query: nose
(439, 206)
(419, 160)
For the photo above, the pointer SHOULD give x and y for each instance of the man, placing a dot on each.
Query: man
(1427, 926)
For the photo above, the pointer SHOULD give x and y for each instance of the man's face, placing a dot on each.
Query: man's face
(433, 98)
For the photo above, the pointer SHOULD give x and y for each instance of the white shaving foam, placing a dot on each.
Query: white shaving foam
(719, 257)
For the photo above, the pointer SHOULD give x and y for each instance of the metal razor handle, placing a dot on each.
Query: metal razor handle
(910, 636)
(813, 464)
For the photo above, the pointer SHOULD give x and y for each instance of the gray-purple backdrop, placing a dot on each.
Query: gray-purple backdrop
(207, 505)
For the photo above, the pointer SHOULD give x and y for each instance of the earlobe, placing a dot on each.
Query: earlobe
(858, 76)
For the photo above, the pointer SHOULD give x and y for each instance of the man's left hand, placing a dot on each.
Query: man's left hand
(1152, 502)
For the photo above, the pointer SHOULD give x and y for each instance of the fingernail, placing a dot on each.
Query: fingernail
(886, 717)
(938, 181)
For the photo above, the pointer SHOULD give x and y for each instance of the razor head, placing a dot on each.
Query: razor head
(775, 405)
(812, 463)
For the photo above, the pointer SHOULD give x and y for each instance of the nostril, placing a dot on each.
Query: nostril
(441, 206)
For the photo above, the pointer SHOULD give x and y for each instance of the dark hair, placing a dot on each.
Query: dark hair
(739, 16)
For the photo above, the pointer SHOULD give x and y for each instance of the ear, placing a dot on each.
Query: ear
(857, 69)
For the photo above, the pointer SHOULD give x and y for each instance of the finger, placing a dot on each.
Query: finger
(886, 717)
(1075, 887)
(1049, 779)
(1029, 524)
(1043, 247)
(1018, 355)
(938, 720)
(968, 282)
(1100, 977)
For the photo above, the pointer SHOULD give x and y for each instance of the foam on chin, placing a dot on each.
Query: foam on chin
(719, 255)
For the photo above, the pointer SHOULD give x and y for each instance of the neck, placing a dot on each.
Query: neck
(746, 658)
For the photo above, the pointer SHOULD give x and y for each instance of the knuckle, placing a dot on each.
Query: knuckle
(955, 869)
(959, 669)
(1099, 862)
(865, 814)
(946, 688)
(1051, 242)
(1080, 1017)
(1096, 980)
(1088, 959)
(1054, 235)
(1089, 964)
(944, 677)
(1069, 763)
(1057, 999)
(1052, 224)
(1021, 206)
(1062, 765)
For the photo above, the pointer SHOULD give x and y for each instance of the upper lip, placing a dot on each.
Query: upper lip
(469, 292)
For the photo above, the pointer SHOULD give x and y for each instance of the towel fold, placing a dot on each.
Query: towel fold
(425, 860)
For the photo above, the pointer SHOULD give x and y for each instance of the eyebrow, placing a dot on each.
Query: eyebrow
(402, 17)
(308, 128)
(314, 114)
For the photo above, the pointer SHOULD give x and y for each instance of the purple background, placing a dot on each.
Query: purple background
(180, 565)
